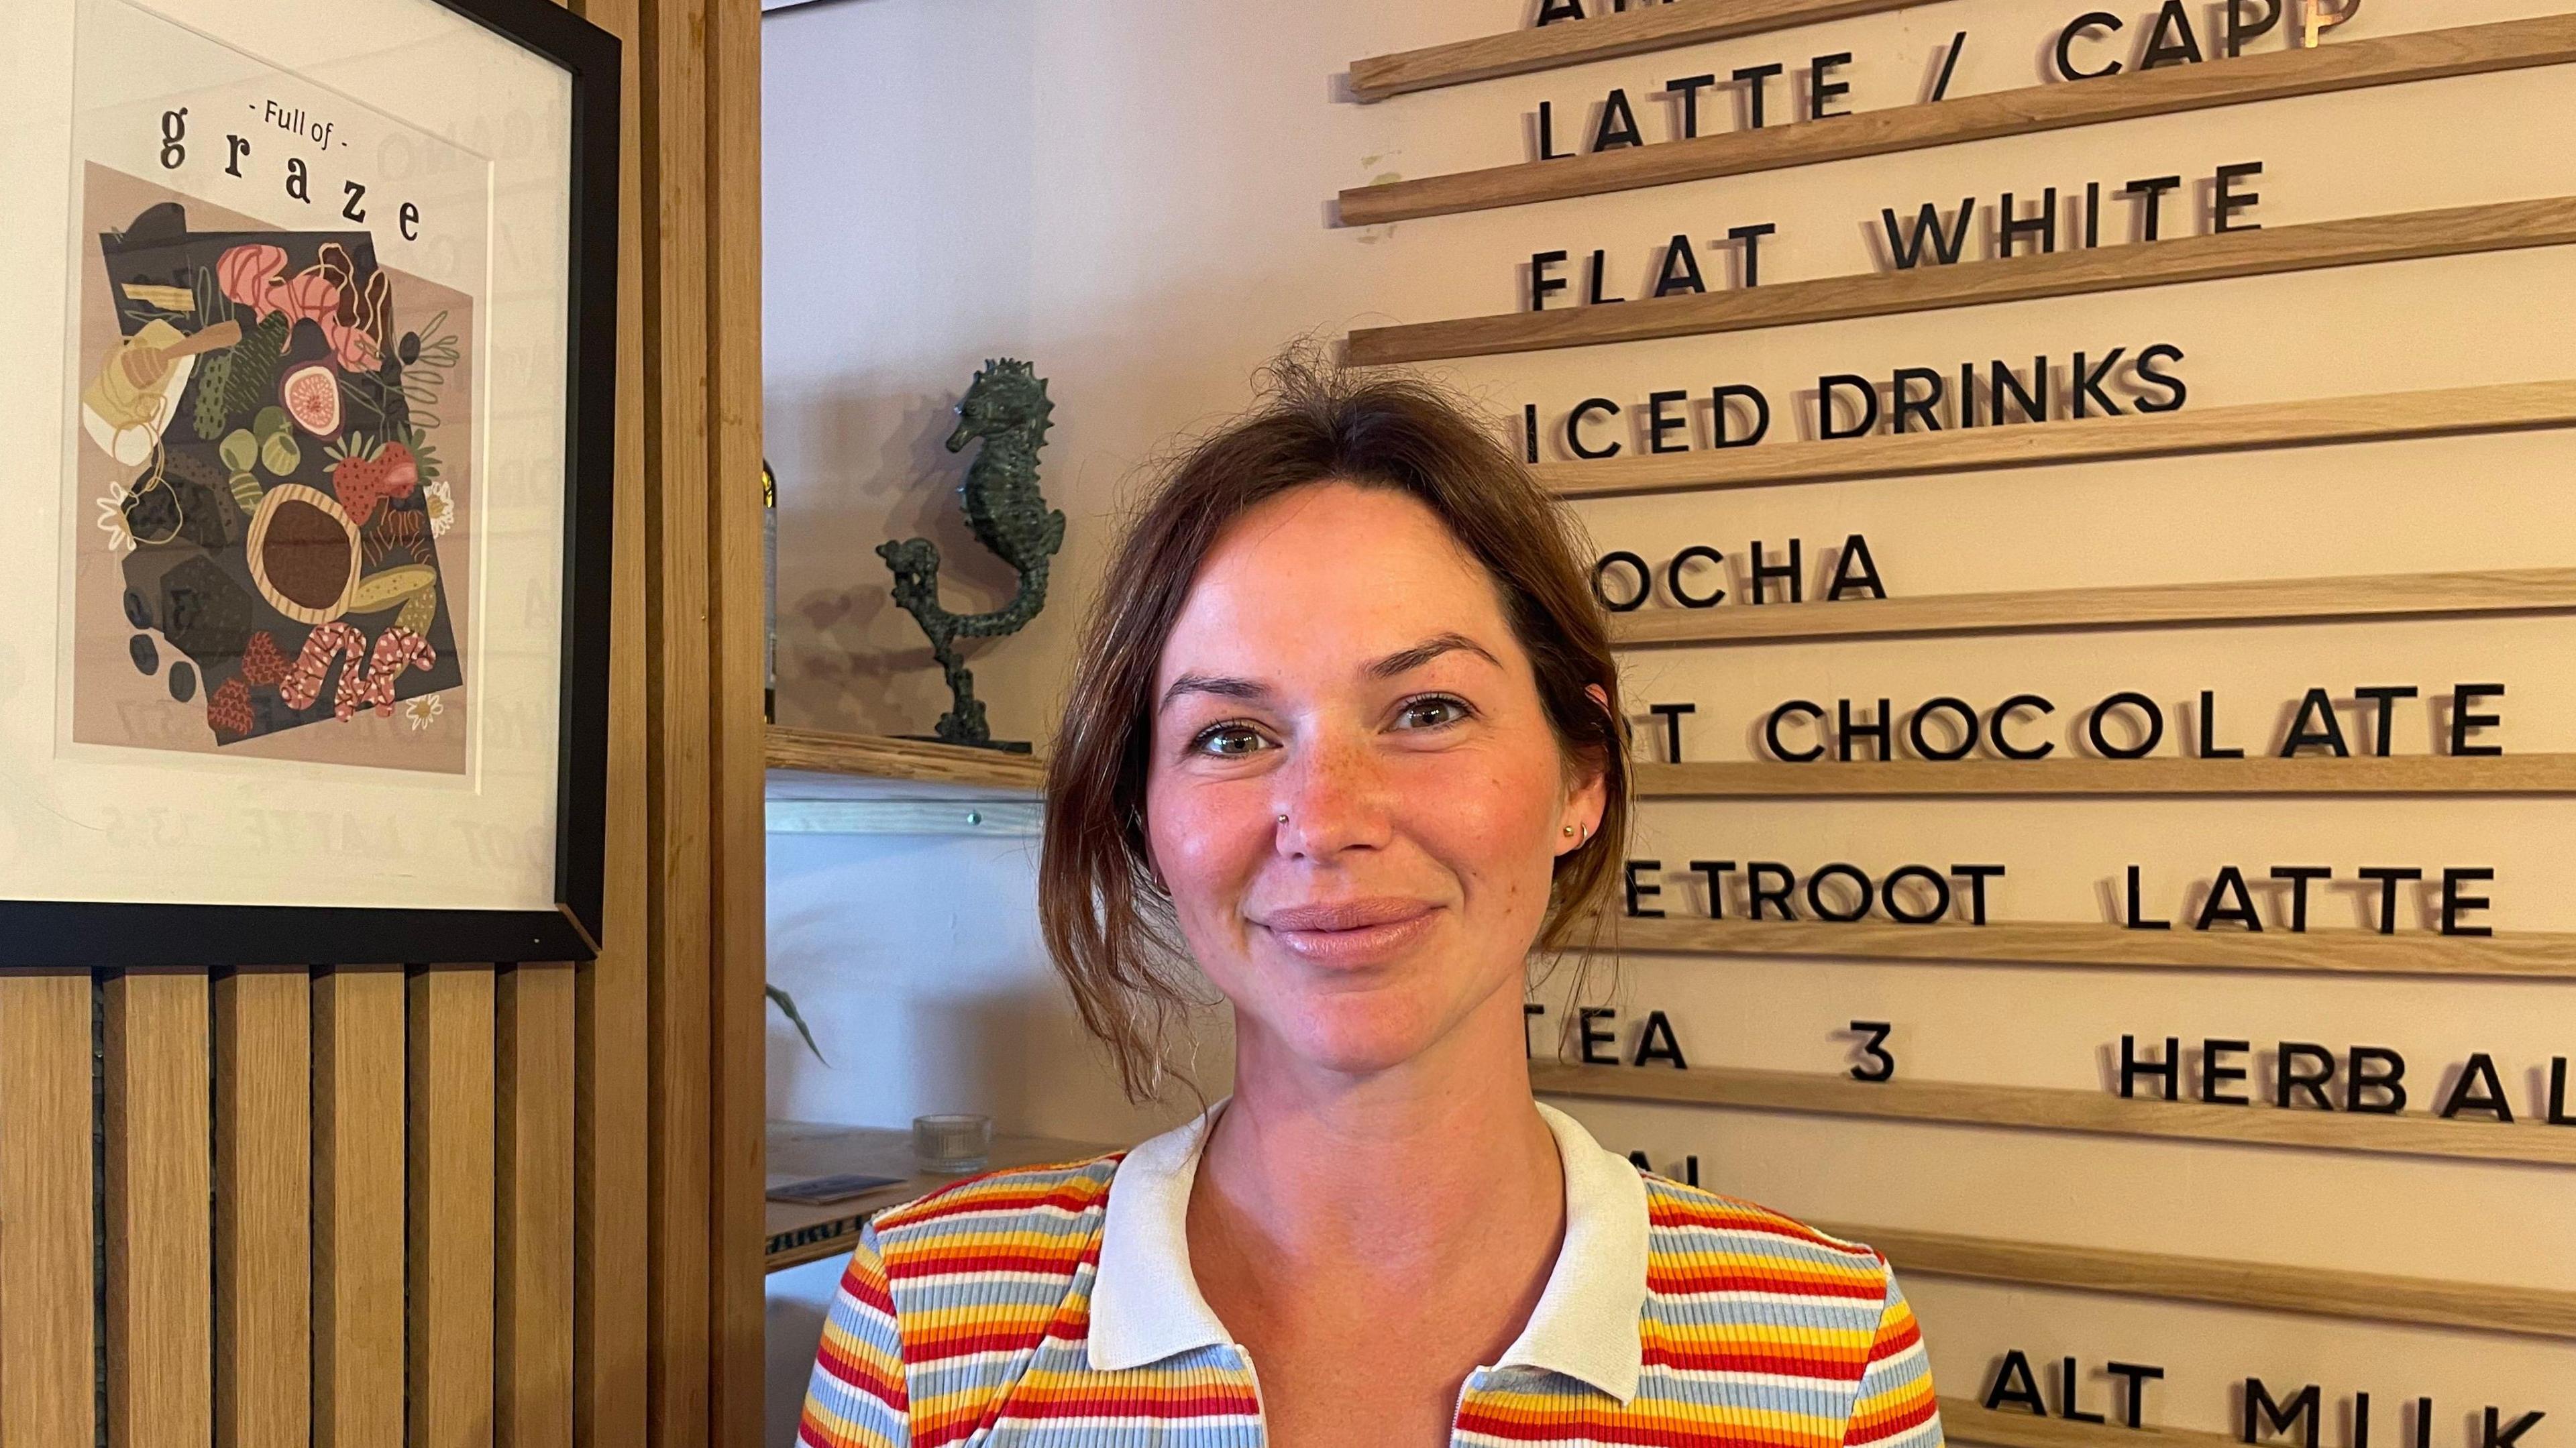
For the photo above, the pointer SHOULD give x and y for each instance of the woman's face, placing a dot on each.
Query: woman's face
(1343, 661)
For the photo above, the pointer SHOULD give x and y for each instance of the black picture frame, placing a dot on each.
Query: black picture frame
(59, 934)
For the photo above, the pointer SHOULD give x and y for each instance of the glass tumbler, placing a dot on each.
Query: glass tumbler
(952, 1144)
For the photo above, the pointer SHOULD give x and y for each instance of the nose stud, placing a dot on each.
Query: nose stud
(1283, 819)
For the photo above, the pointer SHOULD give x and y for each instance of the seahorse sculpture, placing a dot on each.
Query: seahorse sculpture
(1007, 407)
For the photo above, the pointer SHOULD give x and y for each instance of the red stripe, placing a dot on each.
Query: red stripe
(1890, 1345)
(968, 1341)
(1128, 1403)
(1672, 1281)
(862, 1375)
(868, 1288)
(982, 1259)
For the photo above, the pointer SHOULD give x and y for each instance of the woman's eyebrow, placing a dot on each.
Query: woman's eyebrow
(1218, 684)
(1400, 662)
(1425, 651)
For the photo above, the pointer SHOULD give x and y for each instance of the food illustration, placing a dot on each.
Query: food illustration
(312, 398)
(257, 440)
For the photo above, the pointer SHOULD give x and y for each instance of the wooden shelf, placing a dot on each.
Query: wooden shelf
(2046, 1108)
(2314, 1291)
(2078, 271)
(2516, 955)
(2266, 600)
(800, 1151)
(2507, 407)
(803, 763)
(1602, 37)
(2172, 90)
(2423, 774)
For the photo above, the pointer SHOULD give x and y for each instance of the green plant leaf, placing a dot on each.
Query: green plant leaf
(787, 1004)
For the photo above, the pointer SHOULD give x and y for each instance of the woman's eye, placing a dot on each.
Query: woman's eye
(1218, 735)
(1435, 706)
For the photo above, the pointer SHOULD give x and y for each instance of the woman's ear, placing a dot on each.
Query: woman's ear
(1591, 796)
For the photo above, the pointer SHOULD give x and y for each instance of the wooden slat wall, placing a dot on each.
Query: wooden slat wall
(676, 515)
(456, 1206)
(47, 1332)
(532, 1310)
(160, 1348)
(358, 1157)
(612, 1130)
(263, 1208)
(738, 869)
(447, 1234)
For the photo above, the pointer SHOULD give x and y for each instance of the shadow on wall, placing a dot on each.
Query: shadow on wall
(917, 961)
(799, 1301)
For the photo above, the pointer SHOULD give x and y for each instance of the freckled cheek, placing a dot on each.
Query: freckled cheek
(1494, 814)
(1208, 845)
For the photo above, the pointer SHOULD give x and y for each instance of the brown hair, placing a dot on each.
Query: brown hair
(1108, 923)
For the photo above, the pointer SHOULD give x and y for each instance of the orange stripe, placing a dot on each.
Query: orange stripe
(1786, 1359)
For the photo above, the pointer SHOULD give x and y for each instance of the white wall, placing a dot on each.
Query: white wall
(1137, 196)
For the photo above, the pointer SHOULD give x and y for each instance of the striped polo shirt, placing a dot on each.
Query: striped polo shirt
(1054, 1307)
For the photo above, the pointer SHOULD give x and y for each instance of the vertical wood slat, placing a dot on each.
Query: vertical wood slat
(159, 1228)
(358, 1132)
(48, 1341)
(613, 1022)
(740, 857)
(263, 1209)
(448, 1237)
(680, 716)
(533, 1306)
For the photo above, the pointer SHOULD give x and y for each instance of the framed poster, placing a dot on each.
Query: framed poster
(306, 409)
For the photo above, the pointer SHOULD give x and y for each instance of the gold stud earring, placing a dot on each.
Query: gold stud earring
(1569, 829)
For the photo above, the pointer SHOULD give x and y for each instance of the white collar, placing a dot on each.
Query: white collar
(1146, 1304)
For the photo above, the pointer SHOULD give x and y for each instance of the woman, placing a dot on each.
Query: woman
(1344, 738)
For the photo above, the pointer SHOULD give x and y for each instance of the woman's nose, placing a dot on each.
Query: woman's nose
(1334, 796)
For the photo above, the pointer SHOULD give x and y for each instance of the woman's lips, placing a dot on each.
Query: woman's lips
(1353, 944)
